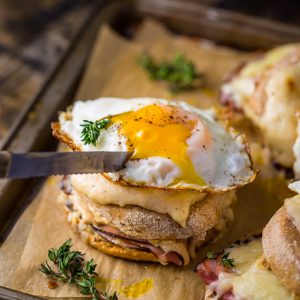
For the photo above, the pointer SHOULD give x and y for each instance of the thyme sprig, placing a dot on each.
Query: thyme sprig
(179, 74)
(69, 267)
(210, 255)
(91, 130)
(227, 262)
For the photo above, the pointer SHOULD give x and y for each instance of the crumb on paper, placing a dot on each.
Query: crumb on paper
(52, 284)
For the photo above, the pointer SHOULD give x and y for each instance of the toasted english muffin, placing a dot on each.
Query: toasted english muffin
(143, 223)
(281, 245)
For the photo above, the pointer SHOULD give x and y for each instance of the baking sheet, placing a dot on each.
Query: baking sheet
(113, 71)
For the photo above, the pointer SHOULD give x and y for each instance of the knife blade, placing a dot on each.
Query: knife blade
(35, 164)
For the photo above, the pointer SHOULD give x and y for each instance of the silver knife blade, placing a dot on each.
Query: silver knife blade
(35, 164)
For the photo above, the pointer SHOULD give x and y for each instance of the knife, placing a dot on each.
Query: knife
(35, 164)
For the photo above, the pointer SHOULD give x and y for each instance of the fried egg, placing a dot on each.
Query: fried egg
(174, 145)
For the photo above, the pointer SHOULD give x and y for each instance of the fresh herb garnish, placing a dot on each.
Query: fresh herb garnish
(91, 130)
(69, 268)
(210, 255)
(180, 74)
(227, 262)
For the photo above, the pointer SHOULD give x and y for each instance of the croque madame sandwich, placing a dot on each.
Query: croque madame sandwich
(174, 193)
(266, 87)
(259, 268)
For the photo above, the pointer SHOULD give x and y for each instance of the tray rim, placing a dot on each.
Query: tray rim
(234, 23)
(233, 16)
(145, 7)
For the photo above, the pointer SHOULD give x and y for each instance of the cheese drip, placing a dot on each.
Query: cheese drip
(174, 203)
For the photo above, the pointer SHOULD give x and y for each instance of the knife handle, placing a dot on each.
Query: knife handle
(5, 158)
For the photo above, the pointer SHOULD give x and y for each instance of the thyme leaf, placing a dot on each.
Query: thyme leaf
(179, 74)
(91, 130)
(68, 266)
(227, 262)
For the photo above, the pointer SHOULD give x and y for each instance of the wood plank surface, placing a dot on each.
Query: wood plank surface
(34, 134)
(34, 35)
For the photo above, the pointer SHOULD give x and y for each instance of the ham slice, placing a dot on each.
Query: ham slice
(209, 272)
(228, 296)
(165, 258)
(116, 237)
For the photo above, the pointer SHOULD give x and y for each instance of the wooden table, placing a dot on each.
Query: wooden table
(34, 35)
(43, 50)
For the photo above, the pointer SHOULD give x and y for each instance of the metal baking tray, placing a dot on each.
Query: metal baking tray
(31, 131)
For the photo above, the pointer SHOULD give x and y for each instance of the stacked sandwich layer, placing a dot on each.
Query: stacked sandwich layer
(261, 268)
(136, 233)
(174, 193)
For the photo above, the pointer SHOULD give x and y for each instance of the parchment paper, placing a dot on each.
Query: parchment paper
(112, 71)
(11, 250)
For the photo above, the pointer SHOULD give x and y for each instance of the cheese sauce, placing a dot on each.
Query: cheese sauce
(269, 59)
(250, 279)
(259, 283)
(175, 203)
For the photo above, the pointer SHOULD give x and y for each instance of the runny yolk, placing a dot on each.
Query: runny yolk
(160, 130)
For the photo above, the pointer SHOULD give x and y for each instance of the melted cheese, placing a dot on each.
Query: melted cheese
(292, 206)
(272, 57)
(259, 283)
(250, 279)
(82, 207)
(242, 87)
(173, 202)
(245, 255)
(177, 246)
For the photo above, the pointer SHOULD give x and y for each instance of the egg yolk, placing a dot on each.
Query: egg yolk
(160, 130)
